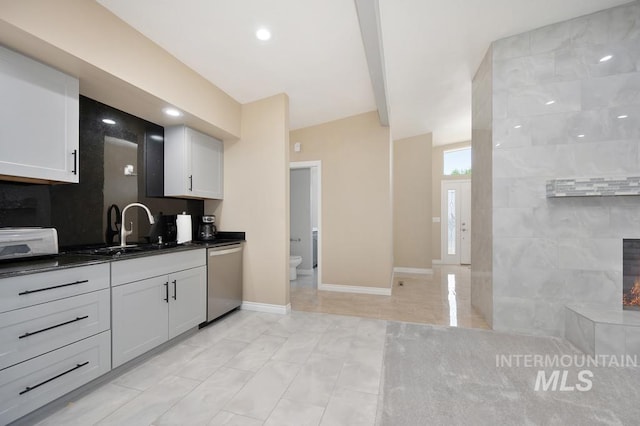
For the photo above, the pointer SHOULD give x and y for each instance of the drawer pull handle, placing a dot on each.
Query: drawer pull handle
(52, 288)
(175, 290)
(27, 334)
(30, 388)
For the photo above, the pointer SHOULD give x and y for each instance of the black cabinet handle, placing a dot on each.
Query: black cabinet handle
(52, 288)
(30, 388)
(75, 161)
(190, 182)
(166, 288)
(27, 334)
(175, 290)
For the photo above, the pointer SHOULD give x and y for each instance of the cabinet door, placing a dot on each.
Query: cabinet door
(193, 164)
(206, 165)
(39, 120)
(187, 300)
(139, 317)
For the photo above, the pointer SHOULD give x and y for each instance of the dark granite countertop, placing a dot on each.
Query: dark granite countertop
(82, 257)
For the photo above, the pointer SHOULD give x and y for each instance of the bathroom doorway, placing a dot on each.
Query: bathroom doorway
(305, 222)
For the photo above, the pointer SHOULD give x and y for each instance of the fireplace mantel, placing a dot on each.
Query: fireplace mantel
(593, 187)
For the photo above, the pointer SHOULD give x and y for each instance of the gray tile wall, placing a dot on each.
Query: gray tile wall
(556, 112)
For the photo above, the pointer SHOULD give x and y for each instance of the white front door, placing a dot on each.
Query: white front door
(456, 222)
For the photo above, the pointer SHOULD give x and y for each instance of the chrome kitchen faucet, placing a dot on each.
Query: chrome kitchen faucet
(124, 231)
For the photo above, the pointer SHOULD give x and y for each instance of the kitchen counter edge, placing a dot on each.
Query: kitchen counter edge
(73, 260)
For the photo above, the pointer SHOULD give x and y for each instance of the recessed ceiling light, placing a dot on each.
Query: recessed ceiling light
(172, 112)
(517, 126)
(606, 58)
(108, 121)
(263, 34)
(623, 116)
(581, 136)
(551, 102)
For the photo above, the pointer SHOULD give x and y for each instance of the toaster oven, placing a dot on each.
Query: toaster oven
(16, 243)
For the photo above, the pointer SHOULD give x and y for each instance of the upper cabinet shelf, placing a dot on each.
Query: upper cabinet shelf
(39, 121)
(193, 164)
(593, 187)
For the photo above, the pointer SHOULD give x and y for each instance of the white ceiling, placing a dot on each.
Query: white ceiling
(431, 48)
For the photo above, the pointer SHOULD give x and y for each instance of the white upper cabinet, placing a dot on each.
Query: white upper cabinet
(193, 164)
(39, 121)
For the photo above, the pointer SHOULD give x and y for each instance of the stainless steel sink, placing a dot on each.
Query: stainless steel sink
(117, 251)
(111, 251)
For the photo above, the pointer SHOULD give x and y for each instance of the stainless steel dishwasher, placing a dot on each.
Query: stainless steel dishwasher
(224, 280)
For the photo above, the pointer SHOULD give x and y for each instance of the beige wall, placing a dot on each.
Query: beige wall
(357, 241)
(482, 189)
(256, 191)
(438, 177)
(116, 64)
(412, 164)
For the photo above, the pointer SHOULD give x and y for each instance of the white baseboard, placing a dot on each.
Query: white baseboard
(304, 271)
(355, 289)
(421, 271)
(436, 262)
(266, 307)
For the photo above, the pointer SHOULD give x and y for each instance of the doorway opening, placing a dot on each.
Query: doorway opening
(456, 222)
(305, 230)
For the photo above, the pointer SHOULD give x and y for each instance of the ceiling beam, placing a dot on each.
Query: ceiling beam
(369, 18)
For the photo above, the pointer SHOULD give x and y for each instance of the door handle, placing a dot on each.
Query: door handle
(166, 289)
(75, 162)
(175, 290)
(190, 182)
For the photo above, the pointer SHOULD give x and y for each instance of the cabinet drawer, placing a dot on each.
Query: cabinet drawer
(27, 290)
(126, 271)
(38, 381)
(29, 332)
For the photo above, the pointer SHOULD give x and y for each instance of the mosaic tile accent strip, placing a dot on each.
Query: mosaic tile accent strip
(593, 187)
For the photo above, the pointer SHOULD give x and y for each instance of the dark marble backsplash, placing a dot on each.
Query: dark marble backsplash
(78, 211)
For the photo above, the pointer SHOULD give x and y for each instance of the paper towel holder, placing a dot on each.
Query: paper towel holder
(183, 226)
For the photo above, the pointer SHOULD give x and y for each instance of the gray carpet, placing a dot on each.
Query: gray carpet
(448, 376)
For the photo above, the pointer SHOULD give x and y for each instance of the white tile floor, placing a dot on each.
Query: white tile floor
(249, 369)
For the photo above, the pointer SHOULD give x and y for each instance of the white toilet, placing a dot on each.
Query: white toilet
(294, 261)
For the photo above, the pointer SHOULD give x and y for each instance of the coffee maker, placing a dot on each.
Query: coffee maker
(207, 228)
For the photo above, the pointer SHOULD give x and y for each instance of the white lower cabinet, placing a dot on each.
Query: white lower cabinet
(150, 311)
(187, 306)
(54, 335)
(31, 384)
(60, 329)
(140, 318)
(29, 332)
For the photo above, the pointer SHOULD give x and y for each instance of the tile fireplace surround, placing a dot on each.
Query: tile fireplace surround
(598, 331)
(602, 330)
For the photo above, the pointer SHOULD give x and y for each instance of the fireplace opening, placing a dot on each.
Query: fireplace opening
(631, 274)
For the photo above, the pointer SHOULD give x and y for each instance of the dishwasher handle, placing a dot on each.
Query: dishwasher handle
(222, 252)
